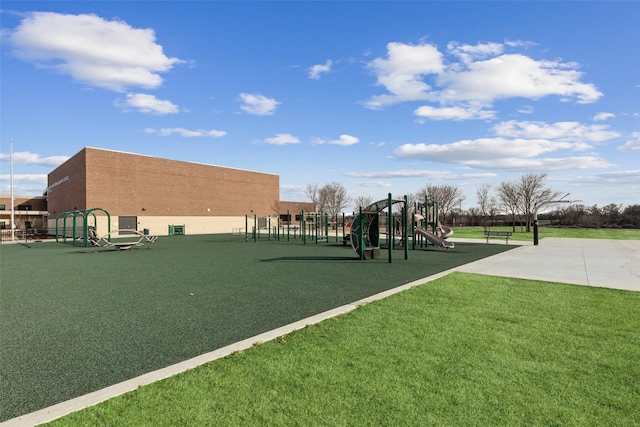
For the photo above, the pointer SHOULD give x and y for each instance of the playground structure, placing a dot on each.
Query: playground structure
(428, 218)
(364, 233)
(435, 239)
(308, 226)
(89, 236)
(137, 239)
(85, 214)
(365, 230)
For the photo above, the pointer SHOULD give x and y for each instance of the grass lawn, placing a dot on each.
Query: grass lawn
(577, 233)
(462, 350)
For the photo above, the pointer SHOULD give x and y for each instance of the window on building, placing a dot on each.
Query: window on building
(3, 225)
(3, 207)
(25, 207)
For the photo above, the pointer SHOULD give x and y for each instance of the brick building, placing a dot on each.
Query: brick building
(29, 212)
(143, 192)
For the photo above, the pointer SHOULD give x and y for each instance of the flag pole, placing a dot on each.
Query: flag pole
(13, 217)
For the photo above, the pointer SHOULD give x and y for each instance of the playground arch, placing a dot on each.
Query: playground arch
(84, 213)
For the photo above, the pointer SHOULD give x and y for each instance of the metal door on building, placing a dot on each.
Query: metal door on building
(126, 223)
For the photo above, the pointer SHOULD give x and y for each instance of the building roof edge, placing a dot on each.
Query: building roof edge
(176, 160)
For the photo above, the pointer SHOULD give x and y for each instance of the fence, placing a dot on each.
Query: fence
(26, 234)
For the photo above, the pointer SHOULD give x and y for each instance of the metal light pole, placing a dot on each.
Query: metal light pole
(13, 213)
(535, 215)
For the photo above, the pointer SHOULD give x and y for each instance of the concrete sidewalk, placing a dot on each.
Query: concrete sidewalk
(591, 262)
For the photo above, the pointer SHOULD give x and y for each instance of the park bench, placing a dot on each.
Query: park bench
(501, 234)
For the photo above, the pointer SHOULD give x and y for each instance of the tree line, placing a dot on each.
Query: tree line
(513, 202)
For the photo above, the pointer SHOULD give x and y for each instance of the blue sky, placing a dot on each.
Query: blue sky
(378, 96)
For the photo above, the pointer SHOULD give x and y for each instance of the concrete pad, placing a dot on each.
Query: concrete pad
(591, 262)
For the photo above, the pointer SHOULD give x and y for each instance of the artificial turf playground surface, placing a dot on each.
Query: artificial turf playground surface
(74, 320)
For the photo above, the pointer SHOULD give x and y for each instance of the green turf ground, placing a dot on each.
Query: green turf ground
(74, 320)
(463, 350)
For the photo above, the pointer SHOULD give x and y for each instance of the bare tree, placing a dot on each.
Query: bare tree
(333, 198)
(312, 192)
(594, 213)
(473, 214)
(510, 198)
(484, 202)
(362, 202)
(447, 196)
(415, 198)
(612, 214)
(533, 191)
(631, 215)
(494, 208)
(276, 208)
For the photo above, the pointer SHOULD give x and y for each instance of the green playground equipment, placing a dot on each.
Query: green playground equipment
(176, 230)
(310, 227)
(426, 214)
(84, 214)
(365, 229)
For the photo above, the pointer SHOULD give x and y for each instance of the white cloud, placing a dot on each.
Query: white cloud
(484, 149)
(186, 132)
(282, 139)
(565, 131)
(632, 144)
(544, 164)
(412, 173)
(318, 69)
(501, 153)
(104, 53)
(148, 104)
(344, 140)
(373, 184)
(603, 116)
(258, 104)
(621, 177)
(483, 75)
(469, 53)
(454, 113)
(520, 145)
(515, 75)
(400, 73)
(26, 177)
(292, 188)
(28, 158)
(25, 184)
(526, 109)
(519, 43)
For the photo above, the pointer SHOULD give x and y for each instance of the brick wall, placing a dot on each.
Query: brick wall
(296, 207)
(136, 185)
(67, 186)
